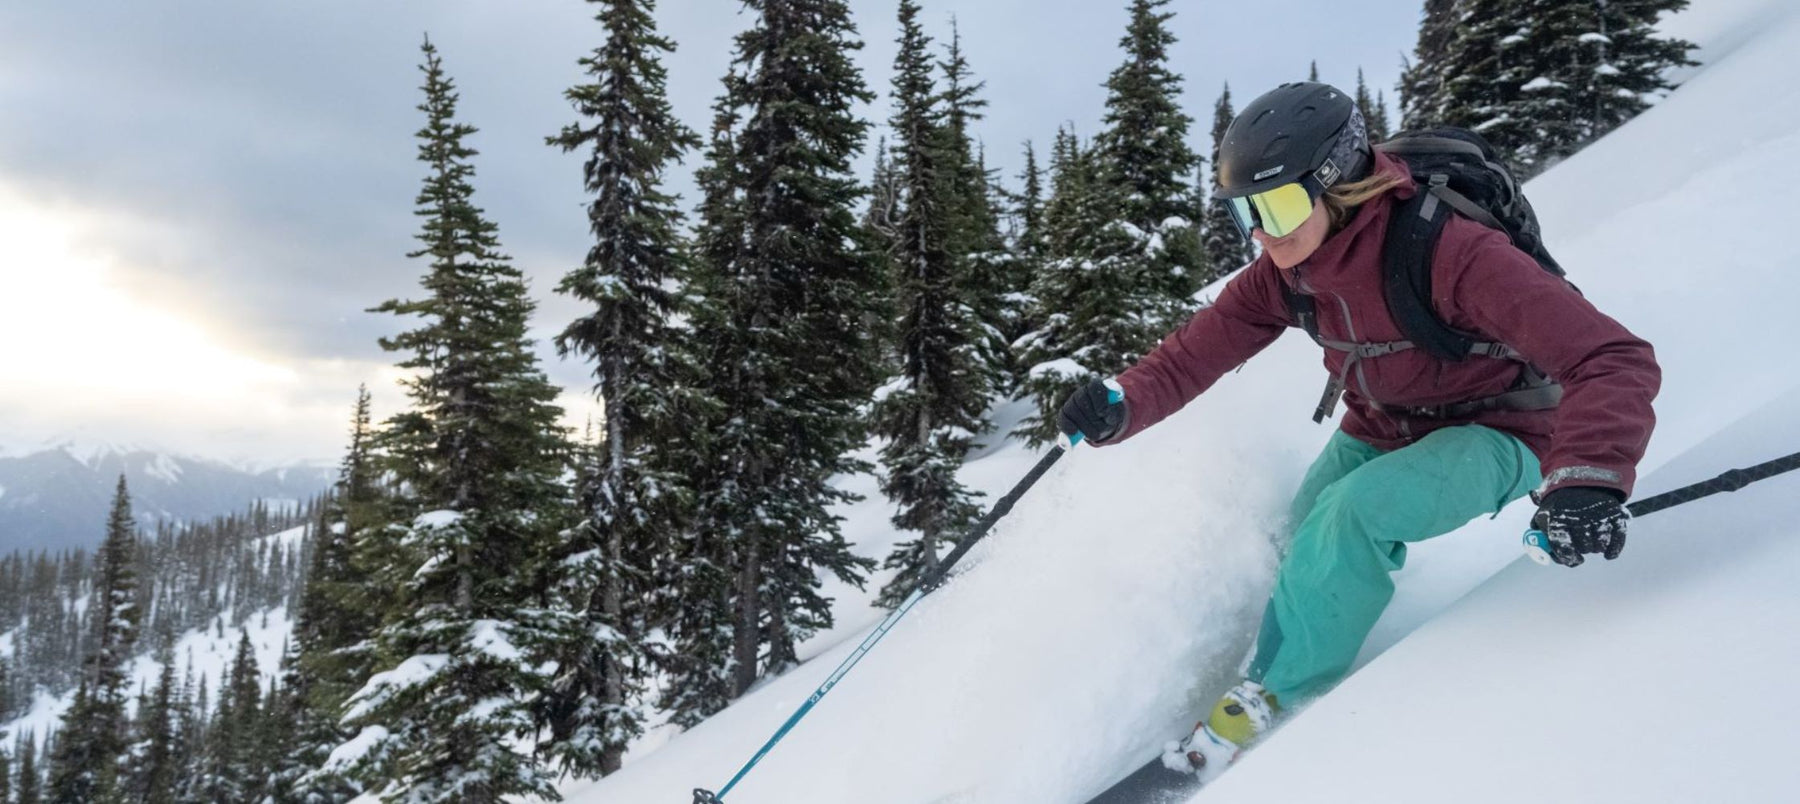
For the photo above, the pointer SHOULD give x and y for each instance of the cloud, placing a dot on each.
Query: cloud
(260, 157)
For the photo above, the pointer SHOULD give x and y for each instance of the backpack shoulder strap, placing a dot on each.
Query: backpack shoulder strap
(1303, 309)
(1411, 244)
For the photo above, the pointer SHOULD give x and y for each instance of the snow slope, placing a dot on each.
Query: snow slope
(1117, 599)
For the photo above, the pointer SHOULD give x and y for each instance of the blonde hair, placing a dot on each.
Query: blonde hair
(1342, 201)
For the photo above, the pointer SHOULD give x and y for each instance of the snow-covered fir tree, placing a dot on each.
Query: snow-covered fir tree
(86, 764)
(1143, 155)
(786, 289)
(1542, 78)
(1225, 247)
(479, 457)
(153, 771)
(1028, 207)
(334, 622)
(1144, 142)
(932, 412)
(633, 493)
(1593, 65)
(1423, 78)
(1628, 61)
(1374, 110)
(701, 577)
(988, 276)
(29, 786)
(1487, 71)
(1098, 313)
(234, 766)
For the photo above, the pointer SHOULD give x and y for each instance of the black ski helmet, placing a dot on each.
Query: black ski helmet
(1290, 132)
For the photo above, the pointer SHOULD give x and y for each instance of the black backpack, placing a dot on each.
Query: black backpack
(1456, 170)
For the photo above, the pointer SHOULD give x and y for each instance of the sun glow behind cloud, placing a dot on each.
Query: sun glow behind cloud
(82, 356)
(70, 330)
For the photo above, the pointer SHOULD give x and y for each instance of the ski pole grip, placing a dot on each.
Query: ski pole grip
(1115, 393)
(1537, 545)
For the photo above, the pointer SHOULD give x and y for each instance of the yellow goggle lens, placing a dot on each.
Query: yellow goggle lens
(1283, 209)
(1277, 212)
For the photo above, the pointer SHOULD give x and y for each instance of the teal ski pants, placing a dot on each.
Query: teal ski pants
(1356, 511)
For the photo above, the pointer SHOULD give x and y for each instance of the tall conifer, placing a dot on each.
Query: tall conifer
(86, 764)
(987, 276)
(1225, 247)
(29, 783)
(1097, 310)
(787, 291)
(632, 492)
(1422, 82)
(932, 411)
(1144, 142)
(1373, 111)
(479, 455)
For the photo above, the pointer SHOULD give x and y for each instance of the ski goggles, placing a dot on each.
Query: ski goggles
(1278, 211)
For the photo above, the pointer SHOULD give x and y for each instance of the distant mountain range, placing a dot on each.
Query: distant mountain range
(57, 497)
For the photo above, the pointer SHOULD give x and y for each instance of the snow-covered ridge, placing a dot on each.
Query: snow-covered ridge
(1113, 604)
(57, 498)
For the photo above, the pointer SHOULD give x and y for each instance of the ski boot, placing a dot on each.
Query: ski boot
(1242, 714)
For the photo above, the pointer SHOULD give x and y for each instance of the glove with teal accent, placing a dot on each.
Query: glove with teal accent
(1097, 412)
(1576, 520)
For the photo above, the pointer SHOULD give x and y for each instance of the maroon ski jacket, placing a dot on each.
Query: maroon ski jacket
(1480, 284)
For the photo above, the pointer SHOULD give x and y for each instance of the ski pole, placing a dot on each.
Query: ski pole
(931, 582)
(1537, 545)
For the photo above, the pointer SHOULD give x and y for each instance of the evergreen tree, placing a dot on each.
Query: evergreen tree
(5, 775)
(191, 742)
(479, 456)
(154, 770)
(1627, 62)
(786, 287)
(85, 766)
(700, 577)
(1225, 247)
(1422, 82)
(632, 494)
(1029, 210)
(333, 625)
(1313, 74)
(987, 277)
(1373, 111)
(231, 770)
(1143, 157)
(1098, 313)
(878, 228)
(275, 740)
(1486, 72)
(29, 783)
(1145, 140)
(1594, 65)
(932, 411)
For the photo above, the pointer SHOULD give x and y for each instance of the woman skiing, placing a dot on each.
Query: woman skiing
(1557, 398)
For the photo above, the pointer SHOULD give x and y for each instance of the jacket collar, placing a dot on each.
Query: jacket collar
(1339, 258)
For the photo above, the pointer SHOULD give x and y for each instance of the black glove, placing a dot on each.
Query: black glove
(1582, 519)
(1089, 413)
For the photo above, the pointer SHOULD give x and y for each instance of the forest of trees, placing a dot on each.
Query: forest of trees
(486, 604)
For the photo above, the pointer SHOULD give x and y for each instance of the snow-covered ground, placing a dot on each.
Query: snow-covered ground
(1116, 601)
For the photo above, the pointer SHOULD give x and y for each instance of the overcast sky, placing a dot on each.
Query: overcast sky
(199, 198)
